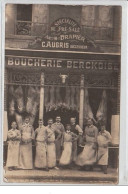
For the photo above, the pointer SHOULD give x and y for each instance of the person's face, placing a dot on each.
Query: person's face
(58, 119)
(102, 128)
(40, 123)
(27, 120)
(50, 122)
(72, 120)
(14, 125)
(89, 123)
(68, 128)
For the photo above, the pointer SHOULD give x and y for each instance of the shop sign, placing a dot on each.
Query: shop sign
(64, 34)
(69, 64)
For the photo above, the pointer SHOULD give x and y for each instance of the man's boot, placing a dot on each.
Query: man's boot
(105, 169)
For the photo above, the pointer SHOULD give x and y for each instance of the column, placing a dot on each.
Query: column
(10, 18)
(41, 108)
(5, 128)
(81, 101)
(115, 122)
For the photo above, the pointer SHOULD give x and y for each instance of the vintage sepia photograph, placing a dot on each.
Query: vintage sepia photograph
(62, 94)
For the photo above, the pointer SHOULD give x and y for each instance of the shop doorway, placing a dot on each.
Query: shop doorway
(62, 101)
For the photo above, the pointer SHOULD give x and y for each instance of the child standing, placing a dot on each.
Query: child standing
(103, 139)
(13, 138)
(68, 138)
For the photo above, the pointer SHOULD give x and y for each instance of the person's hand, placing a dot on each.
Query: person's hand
(56, 140)
(105, 134)
(94, 146)
(105, 145)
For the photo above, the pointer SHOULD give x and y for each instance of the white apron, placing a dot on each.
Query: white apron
(13, 154)
(13, 148)
(40, 158)
(66, 154)
(26, 159)
(103, 139)
(51, 149)
(41, 148)
(89, 154)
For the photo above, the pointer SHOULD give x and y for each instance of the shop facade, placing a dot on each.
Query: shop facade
(64, 72)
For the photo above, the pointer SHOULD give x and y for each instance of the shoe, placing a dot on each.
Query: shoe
(82, 168)
(105, 169)
(56, 168)
(10, 169)
(46, 169)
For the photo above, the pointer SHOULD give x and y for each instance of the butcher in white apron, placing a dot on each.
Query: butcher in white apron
(67, 140)
(89, 154)
(13, 139)
(103, 140)
(51, 148)
(58, 126)
(41, 147)
(75, 128)
(27, 135)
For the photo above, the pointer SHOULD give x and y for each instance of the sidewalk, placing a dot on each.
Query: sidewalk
(60, 176)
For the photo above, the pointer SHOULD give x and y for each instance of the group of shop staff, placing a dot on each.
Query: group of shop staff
(56, 146)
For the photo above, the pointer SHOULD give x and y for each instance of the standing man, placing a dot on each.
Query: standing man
(58, 126)
(89, 154)
(51, 140)
(27, 136)
(41, 147)
(103, 140)
(78, 131)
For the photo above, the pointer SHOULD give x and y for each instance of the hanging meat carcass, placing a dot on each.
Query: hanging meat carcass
(19, 99)
(58, 97)
(102, 110)
(52, 98)
(73, 106)
(77, 91)
(30, 99)
(35, 106)
(19, 120)
(11, 101)
(87, 109)
(68, 97)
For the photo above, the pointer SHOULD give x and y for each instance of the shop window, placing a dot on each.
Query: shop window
(32, 20)
(97, 22)
(24, 20)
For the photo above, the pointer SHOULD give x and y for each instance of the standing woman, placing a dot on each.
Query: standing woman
(27, 135)
(13, 138)
(88, 156)
(41, 147)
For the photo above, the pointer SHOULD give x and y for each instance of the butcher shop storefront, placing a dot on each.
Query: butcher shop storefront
(63, 73)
